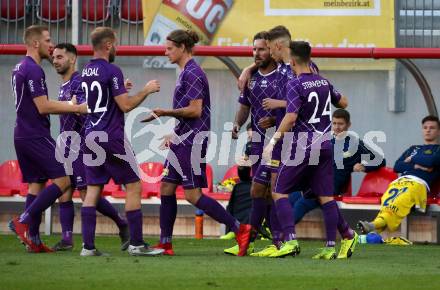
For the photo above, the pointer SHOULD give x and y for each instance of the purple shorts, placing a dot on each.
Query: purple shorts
(186, 165)
(37, 161)
(318, 178)
(276, 157)
(122, 170)
(262, 174)
(78, 178)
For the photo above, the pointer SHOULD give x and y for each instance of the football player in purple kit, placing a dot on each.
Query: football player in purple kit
(278, 41)
(107, 101)
(64, 60)
(34, 146)
(185, 162)
(307, 136)
(262, 85)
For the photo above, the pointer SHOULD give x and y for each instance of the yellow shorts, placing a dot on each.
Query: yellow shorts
(392, 220)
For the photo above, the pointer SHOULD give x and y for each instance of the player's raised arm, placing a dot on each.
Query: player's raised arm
(192, 111)
(127, 103)
(46, 106)
(245, 76)
(343, 103)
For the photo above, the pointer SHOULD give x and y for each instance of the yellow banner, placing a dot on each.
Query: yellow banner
(323, 23)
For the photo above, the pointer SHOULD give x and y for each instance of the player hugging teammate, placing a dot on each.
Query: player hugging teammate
(284, 90)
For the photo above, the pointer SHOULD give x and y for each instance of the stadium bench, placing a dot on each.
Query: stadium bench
(52, 10)
(152, 169)
(11, 179)
(111, 188)
(130, 11)
(374, 184)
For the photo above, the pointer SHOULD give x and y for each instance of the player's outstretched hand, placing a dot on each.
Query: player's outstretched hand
(266, 122)
(83, 109)
(152, 86)
(128, 84)
(154, 115)
(166, 142)
(150, 118)
(359, 167)
(73, 100)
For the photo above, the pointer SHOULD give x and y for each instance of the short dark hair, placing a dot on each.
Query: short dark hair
(249, 126)
(279, 31)
(68, 47)
(32, 31)
(180, 37)
(342, 114)
(101, 34)
(261, 35)
(301, 50)
(431, 118)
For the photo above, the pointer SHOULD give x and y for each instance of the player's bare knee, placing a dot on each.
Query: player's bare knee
(325, 199)
(35, 188)
(67, 196)
(63, 183)
(193, 195)
(82, 194)
(167, 188)
(277, 196)
(258, 190)
(134, 188)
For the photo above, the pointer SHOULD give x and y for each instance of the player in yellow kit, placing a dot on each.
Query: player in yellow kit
(420, 167)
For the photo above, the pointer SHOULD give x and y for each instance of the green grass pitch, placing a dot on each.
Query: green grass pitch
(200, 264)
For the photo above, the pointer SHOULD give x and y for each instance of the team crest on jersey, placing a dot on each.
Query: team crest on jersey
(428, 152)
(252, 84)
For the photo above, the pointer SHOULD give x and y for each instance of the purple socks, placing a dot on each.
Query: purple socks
(168, 212)
(67, 215)
(134, 218)
(275, 227)
(343, 227)
(106, 208)
(285, 218)
(258, 212)
(44, 199)
(34, 224)
(217, 212)
(88, 219)
(330, 213)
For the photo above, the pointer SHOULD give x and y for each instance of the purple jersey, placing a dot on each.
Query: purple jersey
(284, 75)
(28, 82)
(102, 82)
(309, 95)
(192, 84)
(72, 122)
(260, 87)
